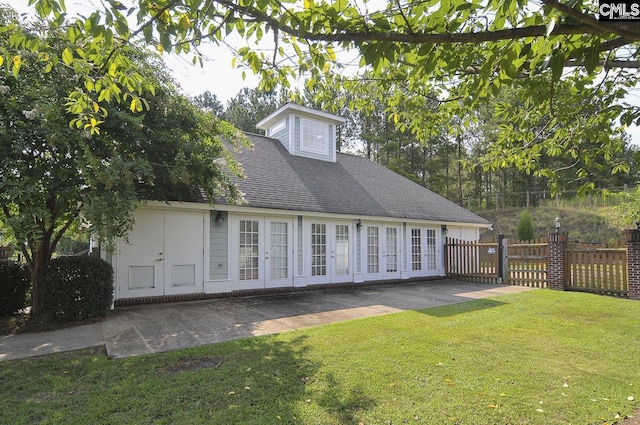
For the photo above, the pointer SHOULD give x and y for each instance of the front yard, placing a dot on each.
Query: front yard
(539, 357)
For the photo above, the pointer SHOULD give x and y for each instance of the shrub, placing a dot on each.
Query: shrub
(76, 288)
(15, 282)
(524, 228)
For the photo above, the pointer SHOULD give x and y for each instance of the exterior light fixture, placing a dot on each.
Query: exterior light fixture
(219, 218)
(556, 224)
(637, 226)
(358, 224)
(444, 228)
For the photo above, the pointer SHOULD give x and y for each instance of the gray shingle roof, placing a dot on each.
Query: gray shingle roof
(353, 185)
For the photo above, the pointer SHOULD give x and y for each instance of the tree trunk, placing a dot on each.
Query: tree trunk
(459, 140)
(40, 256)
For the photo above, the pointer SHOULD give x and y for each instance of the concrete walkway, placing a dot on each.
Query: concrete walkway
(136, 330)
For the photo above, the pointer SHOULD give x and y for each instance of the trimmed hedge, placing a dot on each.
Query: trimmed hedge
(76, 288)
(15, 282)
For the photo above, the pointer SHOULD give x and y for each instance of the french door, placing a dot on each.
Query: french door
(423, 251)
(328, 251)
(381, 251)
(264, 251)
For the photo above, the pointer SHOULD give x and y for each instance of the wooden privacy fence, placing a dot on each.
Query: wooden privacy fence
(526, 263)
(595, 269)
(473, 261)
(584, 268)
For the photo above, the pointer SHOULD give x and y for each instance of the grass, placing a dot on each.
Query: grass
(539, 357)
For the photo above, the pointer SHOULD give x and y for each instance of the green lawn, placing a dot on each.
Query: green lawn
(539, 357)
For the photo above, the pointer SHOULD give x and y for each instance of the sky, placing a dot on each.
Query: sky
(217, 75)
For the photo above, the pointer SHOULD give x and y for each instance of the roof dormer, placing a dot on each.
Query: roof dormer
(303, 131)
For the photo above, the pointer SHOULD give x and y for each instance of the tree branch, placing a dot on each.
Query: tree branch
(590, 20)
(603, 28)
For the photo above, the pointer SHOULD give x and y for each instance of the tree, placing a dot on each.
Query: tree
(54, 176)
(250, 106)
(524, 228)
(210, 103)
(487, 44)
(458, 52)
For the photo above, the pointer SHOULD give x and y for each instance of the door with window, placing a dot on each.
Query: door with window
(372, 252)
(381, 251)
(328, 252)
(423, 251)
(264, 252)
(391, 253)
(279, 253)
(340, 254)
(317, 252)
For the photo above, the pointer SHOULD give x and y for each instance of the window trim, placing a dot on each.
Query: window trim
(278, 127)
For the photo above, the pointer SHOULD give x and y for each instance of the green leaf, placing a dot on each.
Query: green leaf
(592, 58)
(67, 56)
(557, 64)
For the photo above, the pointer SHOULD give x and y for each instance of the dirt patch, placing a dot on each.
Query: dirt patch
(185, 364)
(634, 420)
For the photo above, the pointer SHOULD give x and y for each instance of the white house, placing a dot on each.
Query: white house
(312, 216)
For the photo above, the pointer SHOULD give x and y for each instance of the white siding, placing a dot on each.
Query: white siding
(218, 253)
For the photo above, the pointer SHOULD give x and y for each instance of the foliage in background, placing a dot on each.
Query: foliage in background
(524, 228)
(14, 287)
(585, 221)
(453, 53)
(54, 176)
(250, 106)
(76, 288)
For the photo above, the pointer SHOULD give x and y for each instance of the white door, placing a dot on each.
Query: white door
(184, 252)
(141, 259)
(391, 253)
(373, 251)
(381, 251)
(250, 253)
(264, 248)
(329, 252)
(423, 251)
(341, 258)
(317, 252)
(279, 253)
(164, 256)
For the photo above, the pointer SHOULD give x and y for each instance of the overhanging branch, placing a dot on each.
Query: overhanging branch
(602, 28)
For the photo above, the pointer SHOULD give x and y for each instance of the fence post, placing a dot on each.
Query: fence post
(505, 262)
(556, 262)
(501, 259)
(632, 237)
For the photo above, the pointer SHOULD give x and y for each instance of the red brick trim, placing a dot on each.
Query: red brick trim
(632, 237)
(258, 292)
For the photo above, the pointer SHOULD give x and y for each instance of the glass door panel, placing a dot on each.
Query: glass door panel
(342, 250)
(249, 260)
(391, 250)
(318, 249)
(373, 250)
(416, 250)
